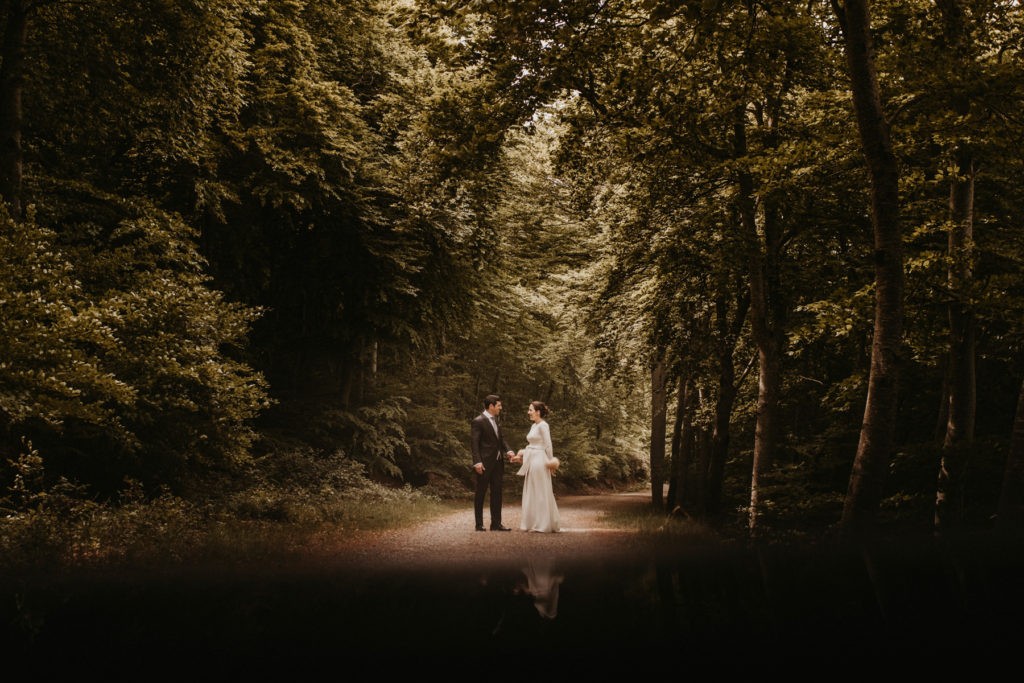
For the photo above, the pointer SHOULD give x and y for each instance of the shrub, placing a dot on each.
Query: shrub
(117, 352)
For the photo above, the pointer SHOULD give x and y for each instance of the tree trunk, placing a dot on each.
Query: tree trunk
(702, 456)
(1011, 498)
(959, 432)
(687, 401)
(728, 334)
(878, 429)
(549, 392)
(942, 415)
(765, 306)
(659, 400)
(956, 447)
(677, 474)
(12, 83)
(764, 435)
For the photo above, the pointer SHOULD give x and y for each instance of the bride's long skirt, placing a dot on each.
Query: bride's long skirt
(540, 512)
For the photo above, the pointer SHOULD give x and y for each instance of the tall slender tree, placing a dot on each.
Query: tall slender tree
(959, 432)
(877, 436)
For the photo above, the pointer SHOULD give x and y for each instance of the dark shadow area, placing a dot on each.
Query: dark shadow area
(899, 608)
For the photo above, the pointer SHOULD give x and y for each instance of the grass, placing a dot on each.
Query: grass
(61, 532)
(657, 527)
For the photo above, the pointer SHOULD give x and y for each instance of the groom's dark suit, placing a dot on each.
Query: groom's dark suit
(489, 448)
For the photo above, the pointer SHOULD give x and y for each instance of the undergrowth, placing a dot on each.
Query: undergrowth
(56, 526)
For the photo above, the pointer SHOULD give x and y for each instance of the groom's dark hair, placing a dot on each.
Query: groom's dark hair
(490, 400)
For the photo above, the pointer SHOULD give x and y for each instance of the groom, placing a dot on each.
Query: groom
(489, 453)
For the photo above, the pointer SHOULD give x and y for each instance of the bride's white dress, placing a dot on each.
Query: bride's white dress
(540, 513)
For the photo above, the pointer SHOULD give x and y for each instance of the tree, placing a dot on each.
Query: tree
(876, 445)
(962, 388)
(152, 385)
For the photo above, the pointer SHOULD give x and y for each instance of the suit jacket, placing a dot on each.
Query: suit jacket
(486, 446)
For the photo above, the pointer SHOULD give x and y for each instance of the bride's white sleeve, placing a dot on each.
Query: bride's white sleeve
(546, 433)
(525, 464)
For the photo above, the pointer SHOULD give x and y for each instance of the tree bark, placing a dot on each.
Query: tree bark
(677, 474)
(878, 429)
(12, 84)
(959, 433)
(728, 334)
(702, 463)
(956, 447)
(942, 414)
(659, 401)
(684, 484)
(764, 435)
(765, 313)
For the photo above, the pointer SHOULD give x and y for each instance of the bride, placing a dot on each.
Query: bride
(540, 513)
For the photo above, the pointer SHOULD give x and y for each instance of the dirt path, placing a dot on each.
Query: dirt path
(588, 533)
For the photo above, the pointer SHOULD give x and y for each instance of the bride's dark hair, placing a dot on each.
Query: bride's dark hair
(540, 408)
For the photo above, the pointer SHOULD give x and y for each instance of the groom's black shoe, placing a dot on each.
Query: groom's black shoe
(500, 528)
(480, 527)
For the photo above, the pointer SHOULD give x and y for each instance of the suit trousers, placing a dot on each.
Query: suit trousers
(491, 480)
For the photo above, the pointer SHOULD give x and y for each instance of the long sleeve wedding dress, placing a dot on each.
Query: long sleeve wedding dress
(540, 512)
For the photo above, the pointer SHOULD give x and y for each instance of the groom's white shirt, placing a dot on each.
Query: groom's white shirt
(494, 423)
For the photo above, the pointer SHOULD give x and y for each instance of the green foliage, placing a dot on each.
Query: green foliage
(617, 466)
(299, 493)
(119, 352)
(52, 339)
(41, 523)
(28, 491)
(373, 435)
(437, 432)
(377, 435)
(304, 510)
(375, 213)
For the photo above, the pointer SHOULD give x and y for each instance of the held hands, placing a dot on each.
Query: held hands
(518, 457)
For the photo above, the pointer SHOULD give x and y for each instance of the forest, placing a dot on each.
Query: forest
(762, 258)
